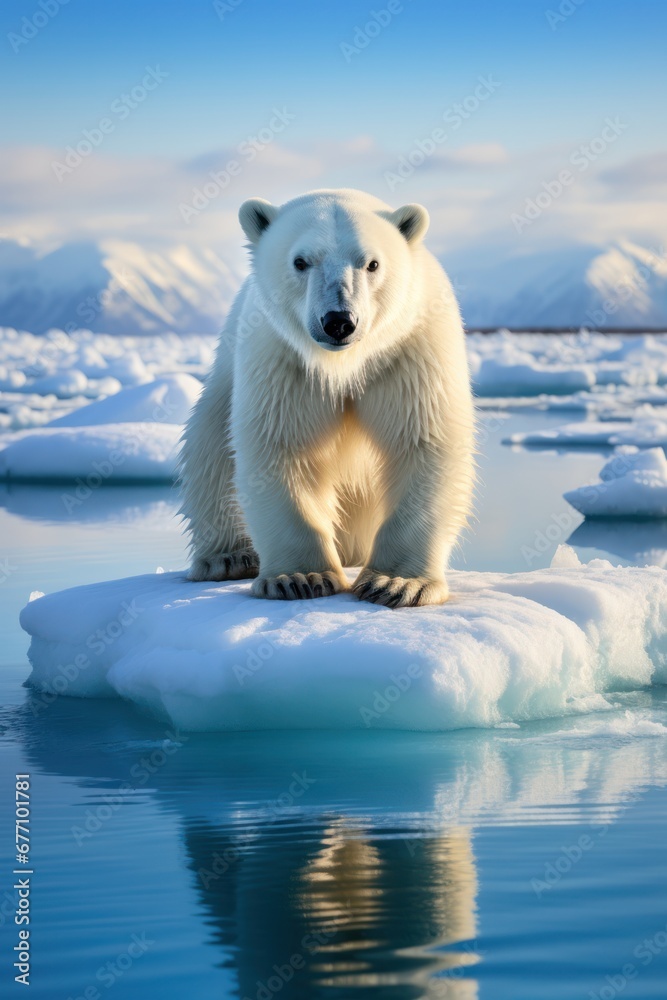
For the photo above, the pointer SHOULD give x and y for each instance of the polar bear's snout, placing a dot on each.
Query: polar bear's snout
(338, 326)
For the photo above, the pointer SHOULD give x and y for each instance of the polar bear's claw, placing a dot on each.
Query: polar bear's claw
(297, 586)
(240, 565)
(398, 591)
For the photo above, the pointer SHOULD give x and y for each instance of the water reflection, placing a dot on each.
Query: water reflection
(340, 865)
(332, 908)
(144, 506)
(640, 543)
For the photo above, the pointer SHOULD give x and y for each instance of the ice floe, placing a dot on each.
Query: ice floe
(642, 429)
(131, 436)
(632, 484)
(506, 648)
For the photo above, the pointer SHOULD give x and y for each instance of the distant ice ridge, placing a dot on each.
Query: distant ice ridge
(506, 648)
(632, 484)
(131, 436)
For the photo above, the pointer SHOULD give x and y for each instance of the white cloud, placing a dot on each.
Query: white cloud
(471, 194)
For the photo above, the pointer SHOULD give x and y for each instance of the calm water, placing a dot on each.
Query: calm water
(513, 863)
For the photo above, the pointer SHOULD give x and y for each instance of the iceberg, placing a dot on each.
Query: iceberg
(506, 648)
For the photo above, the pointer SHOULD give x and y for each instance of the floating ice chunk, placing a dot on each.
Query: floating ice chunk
(565, 558)
(632, 484)
(64, 384)
(97, 388)
(130, 436)
(129, 368)
(584, 433)
(506, 648)
(645, 430)
(517, 373)
(131, 452)
(168, 399)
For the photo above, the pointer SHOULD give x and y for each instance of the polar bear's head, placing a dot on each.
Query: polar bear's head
(336, 270)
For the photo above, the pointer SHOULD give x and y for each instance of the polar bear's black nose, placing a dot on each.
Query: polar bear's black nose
(338, 325)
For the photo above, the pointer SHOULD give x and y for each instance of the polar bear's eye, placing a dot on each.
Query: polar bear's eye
(373, 266)
(300, 264)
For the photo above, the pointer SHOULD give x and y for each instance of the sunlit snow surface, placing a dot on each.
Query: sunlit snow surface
(506, 648)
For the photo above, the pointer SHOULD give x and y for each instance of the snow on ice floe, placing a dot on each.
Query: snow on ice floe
(506, 648)
(131, 436)
(632, 484)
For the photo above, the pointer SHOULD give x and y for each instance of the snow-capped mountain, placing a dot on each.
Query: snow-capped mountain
(618, 285)
(117, 287)
(114, 287)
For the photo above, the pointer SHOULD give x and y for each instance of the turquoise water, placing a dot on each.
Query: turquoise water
(512, 863)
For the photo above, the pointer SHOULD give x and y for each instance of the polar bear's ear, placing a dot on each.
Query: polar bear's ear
(255, 216)
(412, 221)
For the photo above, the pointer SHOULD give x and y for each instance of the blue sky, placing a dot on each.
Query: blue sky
(355, 113)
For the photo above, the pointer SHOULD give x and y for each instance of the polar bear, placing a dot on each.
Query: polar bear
(336, 426)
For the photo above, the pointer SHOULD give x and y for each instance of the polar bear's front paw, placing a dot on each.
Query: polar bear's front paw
(398, 591)
(297, 586)
(240, 565)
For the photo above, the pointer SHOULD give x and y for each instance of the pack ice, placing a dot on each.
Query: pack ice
(130, 436)
(506, 648)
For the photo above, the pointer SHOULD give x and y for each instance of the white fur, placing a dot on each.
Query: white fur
(326, 456)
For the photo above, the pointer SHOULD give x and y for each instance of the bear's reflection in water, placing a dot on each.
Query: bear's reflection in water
(322, 899)
(332, 910)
